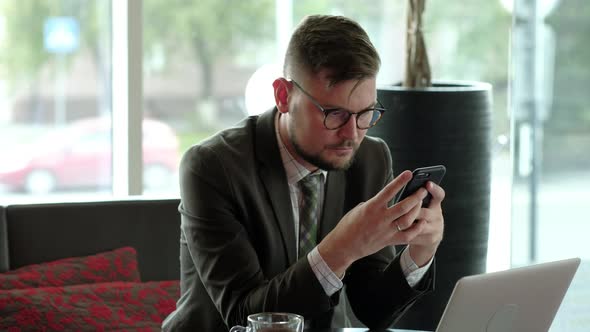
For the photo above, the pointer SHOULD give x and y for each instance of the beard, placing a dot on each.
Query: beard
(317, 159)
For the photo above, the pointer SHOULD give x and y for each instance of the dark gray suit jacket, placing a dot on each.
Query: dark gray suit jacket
(238, 250)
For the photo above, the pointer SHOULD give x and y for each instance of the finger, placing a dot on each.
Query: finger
(405, 221)
(392, 188)
(407, 204)
(430, 215)
(429, 235)
(407, 235)
(433, 224)
(438, 193)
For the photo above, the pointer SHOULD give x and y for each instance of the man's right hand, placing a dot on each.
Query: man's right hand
(372, 225)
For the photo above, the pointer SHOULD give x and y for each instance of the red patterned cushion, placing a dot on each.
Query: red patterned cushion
(116, 265)
(93, 307)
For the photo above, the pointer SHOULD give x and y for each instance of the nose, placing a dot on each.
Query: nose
(349, 130)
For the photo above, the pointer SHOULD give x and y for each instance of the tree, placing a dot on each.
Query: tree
(209, 28)
(417, 73)
(24, 54)
(572, 69)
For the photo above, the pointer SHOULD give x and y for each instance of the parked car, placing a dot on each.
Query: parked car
(79, 156)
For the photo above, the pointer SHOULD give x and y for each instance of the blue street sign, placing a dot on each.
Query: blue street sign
(61, 35)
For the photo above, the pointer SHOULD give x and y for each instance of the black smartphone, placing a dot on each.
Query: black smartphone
(419, 178)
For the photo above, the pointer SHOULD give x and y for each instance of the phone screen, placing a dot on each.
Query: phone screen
(419, 178)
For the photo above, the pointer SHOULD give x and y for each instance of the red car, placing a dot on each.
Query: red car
(79, 156)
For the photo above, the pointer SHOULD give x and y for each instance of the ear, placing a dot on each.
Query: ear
(281, 88)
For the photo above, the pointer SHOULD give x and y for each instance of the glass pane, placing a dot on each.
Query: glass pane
(477, 49)
(55, 69)
(198, 58)
(551, 123)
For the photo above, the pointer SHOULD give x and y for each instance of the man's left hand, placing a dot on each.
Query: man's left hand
(430, 221)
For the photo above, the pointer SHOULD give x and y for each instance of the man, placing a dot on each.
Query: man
(246, 204)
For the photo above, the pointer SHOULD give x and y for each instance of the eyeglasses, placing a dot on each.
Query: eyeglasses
(335, 118)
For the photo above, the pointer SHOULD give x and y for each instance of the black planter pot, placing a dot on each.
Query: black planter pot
(449, 124)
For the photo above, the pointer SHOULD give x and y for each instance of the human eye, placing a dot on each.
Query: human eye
(337, 112)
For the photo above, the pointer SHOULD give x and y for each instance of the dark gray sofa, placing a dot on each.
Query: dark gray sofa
(36, 233)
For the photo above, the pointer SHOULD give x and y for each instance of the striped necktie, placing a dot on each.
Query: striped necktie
(308, 213)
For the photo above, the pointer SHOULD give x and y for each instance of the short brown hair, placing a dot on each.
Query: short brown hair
(333, 43)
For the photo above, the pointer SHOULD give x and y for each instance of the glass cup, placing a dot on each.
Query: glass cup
(272, 322)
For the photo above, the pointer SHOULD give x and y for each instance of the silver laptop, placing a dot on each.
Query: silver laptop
(523, 299)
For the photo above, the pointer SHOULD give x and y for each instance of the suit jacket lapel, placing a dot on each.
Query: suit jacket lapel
(272, 174)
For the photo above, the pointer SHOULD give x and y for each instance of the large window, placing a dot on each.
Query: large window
(55, 97)
(204, 65)
(550, 139)
(198, 59)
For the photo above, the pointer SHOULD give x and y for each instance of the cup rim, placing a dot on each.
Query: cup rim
(289, 314)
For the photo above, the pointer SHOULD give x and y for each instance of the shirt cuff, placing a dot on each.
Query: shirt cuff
(327, 278)
(412, 272)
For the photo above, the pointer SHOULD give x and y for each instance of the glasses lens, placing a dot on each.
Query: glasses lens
(336, 118)
(368, 119)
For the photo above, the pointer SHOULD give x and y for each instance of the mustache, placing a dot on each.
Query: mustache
(343, 144)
